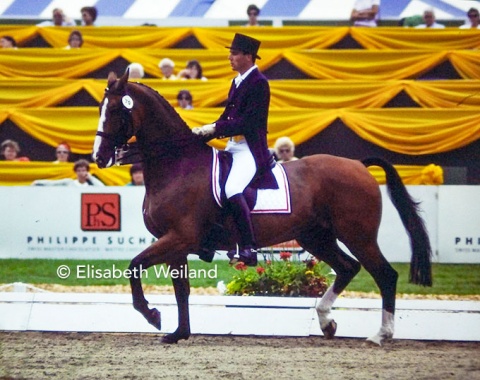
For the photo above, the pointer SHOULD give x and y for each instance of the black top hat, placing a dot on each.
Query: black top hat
(245, 44)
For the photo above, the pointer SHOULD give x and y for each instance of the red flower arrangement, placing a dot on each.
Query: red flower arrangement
(284, 277)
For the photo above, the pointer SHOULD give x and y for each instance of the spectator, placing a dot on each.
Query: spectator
(62, 153)
(253, 11)
(136, 175)
(429, 21)
(184, 99)
(285, 150)
(89, 16)
(166, 66)
(365, 13)
(135, 71)
(192, 71)
(82, 169)
(8, 42)
(58, 19)
(473, 20)
(10, 151)
(75, 40)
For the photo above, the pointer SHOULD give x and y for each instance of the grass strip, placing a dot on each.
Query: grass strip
(458, 279)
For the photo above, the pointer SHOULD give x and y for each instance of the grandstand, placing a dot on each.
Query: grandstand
(409, 96)
(223, 12)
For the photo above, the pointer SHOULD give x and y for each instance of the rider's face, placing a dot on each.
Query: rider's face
(239, 61)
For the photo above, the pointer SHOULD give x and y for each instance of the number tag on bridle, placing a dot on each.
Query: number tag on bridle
(127, 102)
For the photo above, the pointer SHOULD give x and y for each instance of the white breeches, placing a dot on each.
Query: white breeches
(243, 168)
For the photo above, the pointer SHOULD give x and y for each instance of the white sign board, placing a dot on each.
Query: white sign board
(107, 223)
(75, 223)
(459, 224)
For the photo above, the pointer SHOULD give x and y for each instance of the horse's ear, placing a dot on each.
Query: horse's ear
(112, 77)
(123, 80)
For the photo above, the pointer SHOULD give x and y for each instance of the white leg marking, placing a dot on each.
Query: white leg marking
(325, 306)
(386, 331)
(101, 121)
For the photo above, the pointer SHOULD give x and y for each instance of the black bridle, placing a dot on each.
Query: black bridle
(126, 128)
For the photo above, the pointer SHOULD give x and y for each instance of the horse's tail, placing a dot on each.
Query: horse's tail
(420, 264)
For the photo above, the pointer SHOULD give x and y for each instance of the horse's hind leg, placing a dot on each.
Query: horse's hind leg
(385, 277)
(345, 267)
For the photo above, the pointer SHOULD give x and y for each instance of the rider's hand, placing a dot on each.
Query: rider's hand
(206, 130)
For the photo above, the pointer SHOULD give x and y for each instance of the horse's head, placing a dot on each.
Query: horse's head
(116, 124)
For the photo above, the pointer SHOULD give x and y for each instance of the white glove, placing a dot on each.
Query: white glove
(206, 130)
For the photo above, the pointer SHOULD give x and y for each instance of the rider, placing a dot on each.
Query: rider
(244, 120)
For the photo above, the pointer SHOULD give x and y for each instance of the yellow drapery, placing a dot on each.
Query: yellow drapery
(299, 37)
(24, 173)
(319, 64)
(315, 94)
(406, 131)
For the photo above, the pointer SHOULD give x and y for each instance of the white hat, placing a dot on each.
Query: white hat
(166, 62)
(136, 67)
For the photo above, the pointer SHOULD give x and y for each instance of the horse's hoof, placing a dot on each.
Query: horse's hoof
(330, 330)
(378, 340)
(375, 340)
(175, 337)
(155, 319)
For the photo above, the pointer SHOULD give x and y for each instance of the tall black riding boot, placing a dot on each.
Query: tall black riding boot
(241, 215)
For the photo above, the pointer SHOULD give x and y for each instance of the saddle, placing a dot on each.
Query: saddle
(225, 161)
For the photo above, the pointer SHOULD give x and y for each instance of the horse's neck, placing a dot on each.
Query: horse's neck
(180, 169)
(164, 137)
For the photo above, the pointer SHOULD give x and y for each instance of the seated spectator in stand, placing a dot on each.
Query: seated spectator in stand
(285, 150)
(10, 151)
(58, 19)
(62, 152)
(253, 11)
(8, 42)
(84, 179)
(473, 20)
(429, 21)
(75, 40)
(135, 71)
(365, 13)
(166, 66)
(89, 16)
(192, 71)
(136, 175)
(184, 99)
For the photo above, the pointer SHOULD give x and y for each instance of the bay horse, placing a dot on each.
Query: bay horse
(332, 198)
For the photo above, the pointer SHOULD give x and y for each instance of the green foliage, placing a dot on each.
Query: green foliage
(281, 278)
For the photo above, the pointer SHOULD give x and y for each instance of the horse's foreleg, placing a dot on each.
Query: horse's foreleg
(181, 284)
(137, 266)
(167, 249)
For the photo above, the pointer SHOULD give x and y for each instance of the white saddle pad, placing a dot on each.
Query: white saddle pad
(268, 201)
